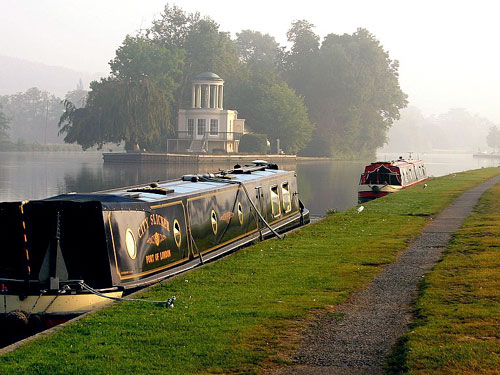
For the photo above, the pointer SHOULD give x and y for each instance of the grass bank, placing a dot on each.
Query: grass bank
(239, 315)
(458, 325)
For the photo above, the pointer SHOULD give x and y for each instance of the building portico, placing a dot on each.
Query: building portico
(207, 127)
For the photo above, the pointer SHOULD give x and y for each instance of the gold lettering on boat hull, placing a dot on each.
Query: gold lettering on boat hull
(156, 239)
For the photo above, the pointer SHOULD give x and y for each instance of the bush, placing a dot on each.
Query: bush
(254, 143)
(318, 147)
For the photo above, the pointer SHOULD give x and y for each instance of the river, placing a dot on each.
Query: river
(322, 184)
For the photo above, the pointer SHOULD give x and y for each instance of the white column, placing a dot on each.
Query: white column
(198, 96)
(193, 97)
(207, 97)
(221, 97)
(216, 96)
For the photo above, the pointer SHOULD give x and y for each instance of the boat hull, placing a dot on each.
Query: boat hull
(55, 304)
(369, 192)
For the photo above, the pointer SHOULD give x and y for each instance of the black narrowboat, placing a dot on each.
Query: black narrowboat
(62, 255)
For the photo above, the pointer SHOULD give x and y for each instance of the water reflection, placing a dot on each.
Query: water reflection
(326, 185)
(322, 185)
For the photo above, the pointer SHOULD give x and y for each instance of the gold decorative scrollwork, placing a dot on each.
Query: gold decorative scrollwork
(156, 239)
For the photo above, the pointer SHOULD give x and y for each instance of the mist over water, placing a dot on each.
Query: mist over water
(322, 185)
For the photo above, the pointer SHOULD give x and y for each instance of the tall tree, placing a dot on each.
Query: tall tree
(140, 57)
(413, 132)
(493, 138)
(257, 49)
(136, 112)
(34, 115)
(78, 96)
(261, 96)
(134, 103)
(463, 129)
(283, 115)
(205, 47)
(352, 91)
(299, 62)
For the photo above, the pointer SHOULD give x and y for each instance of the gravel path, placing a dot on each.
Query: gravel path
(376, 317)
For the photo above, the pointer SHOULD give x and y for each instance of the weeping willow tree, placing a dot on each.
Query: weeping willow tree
(134, 111)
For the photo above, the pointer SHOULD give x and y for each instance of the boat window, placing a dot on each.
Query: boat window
(130, 244)
(177, 233)
(287, 200)
(240, 213)
(213, 220)
(382, 176)
(275, 201)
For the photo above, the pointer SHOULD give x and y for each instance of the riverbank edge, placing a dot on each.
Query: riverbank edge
(405, 214)
(175, 158)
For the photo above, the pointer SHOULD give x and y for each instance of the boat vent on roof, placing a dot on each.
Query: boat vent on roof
(151, 190)
(248, 169)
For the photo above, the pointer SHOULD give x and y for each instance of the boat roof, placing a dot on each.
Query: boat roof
(398, 163)
(187, 185)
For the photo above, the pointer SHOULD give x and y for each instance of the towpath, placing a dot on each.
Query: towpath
(358, 339)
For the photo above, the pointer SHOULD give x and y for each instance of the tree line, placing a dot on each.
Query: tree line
(32, 117)
(456, 129)
(332, 97)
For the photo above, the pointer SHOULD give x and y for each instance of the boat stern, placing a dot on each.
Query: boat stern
(49, 248)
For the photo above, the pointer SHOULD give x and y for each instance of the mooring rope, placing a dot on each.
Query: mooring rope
(240, 183)
(167, 303)
(42, 292)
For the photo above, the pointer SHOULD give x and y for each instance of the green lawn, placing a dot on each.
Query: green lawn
(458, 325)
(242, 314)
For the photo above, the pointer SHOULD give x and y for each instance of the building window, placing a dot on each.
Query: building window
(275, 201)
(214, 127)
(190, 127)
(201, 126)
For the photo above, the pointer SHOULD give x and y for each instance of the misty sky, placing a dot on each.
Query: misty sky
(448, 50)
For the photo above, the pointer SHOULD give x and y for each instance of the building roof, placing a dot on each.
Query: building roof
(207, 76)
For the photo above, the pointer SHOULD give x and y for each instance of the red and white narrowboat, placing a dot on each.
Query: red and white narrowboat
(384, 177)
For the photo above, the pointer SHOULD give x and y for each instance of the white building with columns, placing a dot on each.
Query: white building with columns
(207, 126)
